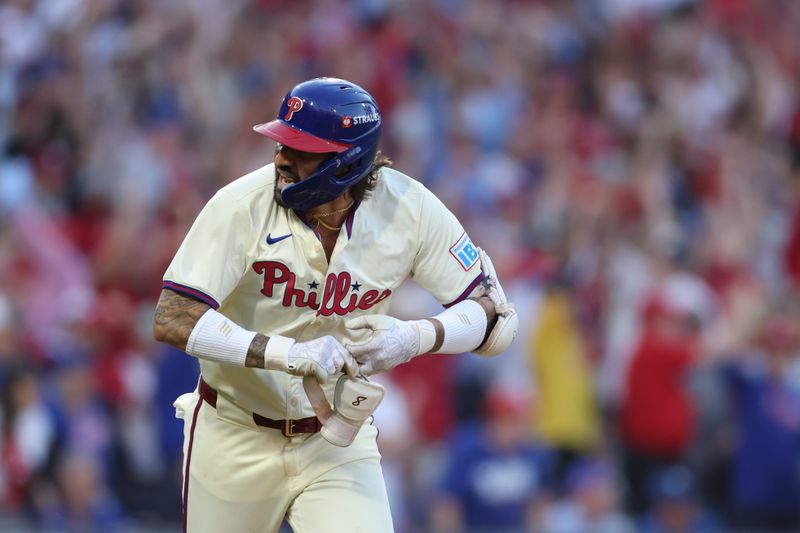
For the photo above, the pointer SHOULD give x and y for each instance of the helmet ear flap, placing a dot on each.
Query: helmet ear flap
(349, 160)
(324, 185)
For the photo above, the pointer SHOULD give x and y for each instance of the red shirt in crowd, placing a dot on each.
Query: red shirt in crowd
(657, 414)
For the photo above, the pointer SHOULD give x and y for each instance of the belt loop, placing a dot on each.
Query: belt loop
(207, 393)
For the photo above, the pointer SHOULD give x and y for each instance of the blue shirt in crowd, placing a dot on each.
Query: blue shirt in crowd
(766, 473)
(494, 487)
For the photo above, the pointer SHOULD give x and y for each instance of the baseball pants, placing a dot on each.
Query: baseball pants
(240, 477)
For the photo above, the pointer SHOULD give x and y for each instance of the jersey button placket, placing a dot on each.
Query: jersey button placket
(293, 405)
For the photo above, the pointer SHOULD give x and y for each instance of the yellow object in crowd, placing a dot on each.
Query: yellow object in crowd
(566, 414)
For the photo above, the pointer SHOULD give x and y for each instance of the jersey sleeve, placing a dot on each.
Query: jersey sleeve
(446, 263)
(212, 258)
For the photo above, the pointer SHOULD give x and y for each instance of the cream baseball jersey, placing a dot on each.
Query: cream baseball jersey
(261, 266)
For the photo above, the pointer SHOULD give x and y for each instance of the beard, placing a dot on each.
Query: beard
(277, 195)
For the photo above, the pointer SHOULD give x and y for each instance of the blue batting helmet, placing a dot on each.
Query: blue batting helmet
(327, 115)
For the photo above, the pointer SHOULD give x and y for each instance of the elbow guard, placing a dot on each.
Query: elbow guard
(502, 335)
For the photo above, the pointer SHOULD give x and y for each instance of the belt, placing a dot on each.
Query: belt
(289, 428)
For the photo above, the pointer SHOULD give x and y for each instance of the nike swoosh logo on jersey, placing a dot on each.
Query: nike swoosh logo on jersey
(270, 240)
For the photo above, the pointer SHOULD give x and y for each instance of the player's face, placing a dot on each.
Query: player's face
(292, 166)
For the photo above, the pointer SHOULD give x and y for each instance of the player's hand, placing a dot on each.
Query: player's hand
(321, 358)
(392, 342)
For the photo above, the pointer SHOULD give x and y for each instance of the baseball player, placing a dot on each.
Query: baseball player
(281, 286)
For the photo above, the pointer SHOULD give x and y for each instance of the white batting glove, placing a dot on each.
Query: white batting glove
(320, 358)
(393, 341)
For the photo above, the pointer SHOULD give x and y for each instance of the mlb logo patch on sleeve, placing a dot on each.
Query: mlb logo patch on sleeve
(464, 252)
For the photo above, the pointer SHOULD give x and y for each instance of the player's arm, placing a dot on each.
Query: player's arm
(194, 327)
(177, 315)
(439, 332)
(485, 324)
(486, 304)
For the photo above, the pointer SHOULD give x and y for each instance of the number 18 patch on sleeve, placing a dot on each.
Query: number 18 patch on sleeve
(464, 252)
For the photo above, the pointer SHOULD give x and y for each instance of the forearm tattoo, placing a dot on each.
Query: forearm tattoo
(176, 316)
(255, 353)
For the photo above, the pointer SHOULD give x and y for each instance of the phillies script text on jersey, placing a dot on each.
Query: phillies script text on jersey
(333, 297)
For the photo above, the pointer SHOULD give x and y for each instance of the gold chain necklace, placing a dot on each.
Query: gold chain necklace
(330, 213)
(324, 225)
(336, 212)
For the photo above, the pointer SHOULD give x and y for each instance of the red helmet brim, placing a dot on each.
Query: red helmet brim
(282, 133)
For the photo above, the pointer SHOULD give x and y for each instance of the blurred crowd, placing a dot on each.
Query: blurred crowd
(632, 167)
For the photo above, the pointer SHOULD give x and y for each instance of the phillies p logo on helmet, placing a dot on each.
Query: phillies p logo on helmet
(294, 104)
